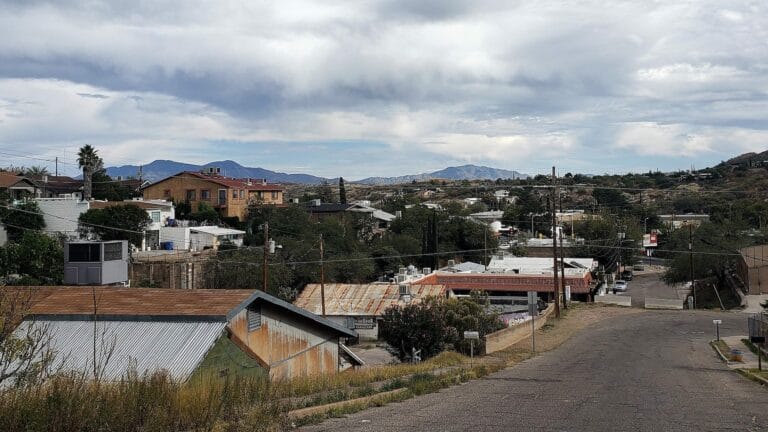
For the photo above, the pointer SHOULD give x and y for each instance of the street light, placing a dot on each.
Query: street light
(645, 226)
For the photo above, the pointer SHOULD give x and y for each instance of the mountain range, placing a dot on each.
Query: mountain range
(464, 172)
(160, 169)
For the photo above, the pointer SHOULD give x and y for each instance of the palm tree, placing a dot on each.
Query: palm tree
(88, 159)
(37, 171)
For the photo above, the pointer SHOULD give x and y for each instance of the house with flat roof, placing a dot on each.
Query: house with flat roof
(178, 331)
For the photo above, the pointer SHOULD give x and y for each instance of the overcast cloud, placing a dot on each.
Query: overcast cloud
(386, 87)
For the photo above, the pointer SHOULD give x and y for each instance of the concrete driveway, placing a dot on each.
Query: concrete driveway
(652, 371)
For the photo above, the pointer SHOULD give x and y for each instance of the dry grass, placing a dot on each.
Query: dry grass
(209, 403)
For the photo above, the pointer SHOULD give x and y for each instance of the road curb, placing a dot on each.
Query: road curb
(752, 376)
(322, 409)
(717, 350)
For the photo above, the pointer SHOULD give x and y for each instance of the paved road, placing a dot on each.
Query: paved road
(649, 285)
(648, 372)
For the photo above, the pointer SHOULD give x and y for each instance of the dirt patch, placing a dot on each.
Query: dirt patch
(558, 330)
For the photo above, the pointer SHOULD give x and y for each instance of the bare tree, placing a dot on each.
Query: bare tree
(26, 354)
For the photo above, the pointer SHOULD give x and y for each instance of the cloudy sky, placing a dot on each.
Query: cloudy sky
(385, 87)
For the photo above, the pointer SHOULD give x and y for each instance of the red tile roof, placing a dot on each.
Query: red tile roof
(140, 302)
(504, 282)
(255, 184)
(8, 179)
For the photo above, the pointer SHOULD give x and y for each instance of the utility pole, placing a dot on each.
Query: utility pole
(690, 255)
(485, 248)
(322, 276)
(437, 244)
(57, 166)
(554, 246)
(562, 271)
(266, 251)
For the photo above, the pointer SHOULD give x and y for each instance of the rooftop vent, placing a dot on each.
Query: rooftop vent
(451, 263)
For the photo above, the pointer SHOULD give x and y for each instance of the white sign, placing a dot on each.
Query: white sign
(471, 335)
(650, 240)
(717, 321)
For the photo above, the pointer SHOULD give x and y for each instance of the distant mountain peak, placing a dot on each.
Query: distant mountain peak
(462, 172)
(162, 168)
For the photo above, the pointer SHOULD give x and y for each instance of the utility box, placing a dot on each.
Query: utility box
(96, 263)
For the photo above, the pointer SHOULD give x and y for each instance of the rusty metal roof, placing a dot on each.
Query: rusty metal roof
(140, 302)
(361, 299)
(160, 304)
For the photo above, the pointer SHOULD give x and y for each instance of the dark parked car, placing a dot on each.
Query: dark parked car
(626, 275)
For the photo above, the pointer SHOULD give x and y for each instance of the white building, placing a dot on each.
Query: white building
(199, 238)
(61, 215)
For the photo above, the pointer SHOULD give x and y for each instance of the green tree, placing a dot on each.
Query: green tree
(36, 257)
(611, 198)
(205, 214)
(89, 161)
(716, 252)
(105, 188)
(419, 326)
(435, 324)
(117, 222)
(36, 171)
(325, 193)
(22, 217)
(342, 191)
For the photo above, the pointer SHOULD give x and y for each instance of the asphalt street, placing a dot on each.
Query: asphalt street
(647, 372)
(650, 285)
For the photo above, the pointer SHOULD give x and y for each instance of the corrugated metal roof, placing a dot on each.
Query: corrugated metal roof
(141, 302)
(177, 347)
(361, 299)
(161, 304)
(217, 231)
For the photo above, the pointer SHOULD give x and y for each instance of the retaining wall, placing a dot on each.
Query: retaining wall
(509, 336)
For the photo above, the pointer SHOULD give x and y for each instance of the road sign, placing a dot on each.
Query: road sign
(717, 321)
(533, 306)
(757, 339)
(471, 335)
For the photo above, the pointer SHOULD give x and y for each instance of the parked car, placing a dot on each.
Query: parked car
(626, 275)
(620, 285)
(638, 267)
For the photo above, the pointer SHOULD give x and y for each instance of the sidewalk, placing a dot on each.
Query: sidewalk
(750, 358)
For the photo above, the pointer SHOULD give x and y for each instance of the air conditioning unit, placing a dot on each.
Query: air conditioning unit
(96, 263)
(451, 263)
(426, 270)
(402, 271)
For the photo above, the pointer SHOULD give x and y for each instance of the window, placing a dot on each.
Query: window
(84, 252)
(191, 195)
(222, 196)
(254, 318)
(205, 194)
(234, 194)
(274, 195)
(242, 194)
(113, 251)
(167, 193)
(155, 216)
